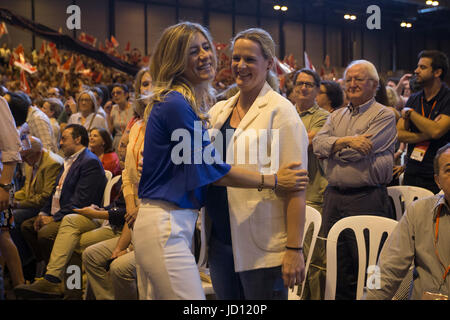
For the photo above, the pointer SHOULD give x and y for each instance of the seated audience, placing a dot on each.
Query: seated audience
(76, 232)
(421, 237)
(117, 255)
(80, 184)
(42, 167)
(37, 121)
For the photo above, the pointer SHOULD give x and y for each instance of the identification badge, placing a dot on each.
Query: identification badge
(434, 296)
(419, 151)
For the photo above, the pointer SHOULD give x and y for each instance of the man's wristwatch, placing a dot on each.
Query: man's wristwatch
(6, 187)
(408, 113)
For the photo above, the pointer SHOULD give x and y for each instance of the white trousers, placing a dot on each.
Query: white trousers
(162, 238)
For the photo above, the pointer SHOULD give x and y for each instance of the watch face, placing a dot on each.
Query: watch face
(7, 187)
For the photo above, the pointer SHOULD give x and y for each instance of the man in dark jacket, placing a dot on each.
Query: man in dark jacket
(80, 184)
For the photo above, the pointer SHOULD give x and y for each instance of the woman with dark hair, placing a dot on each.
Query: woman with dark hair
(331, 96)
(53, 107)
(100, 143)
(120, 113)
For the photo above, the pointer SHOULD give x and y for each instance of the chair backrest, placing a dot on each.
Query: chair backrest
(402, 196)
(107, 194)
(108, 175)
(377, 226)
(312, 216)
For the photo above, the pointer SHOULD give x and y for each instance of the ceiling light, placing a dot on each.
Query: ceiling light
(403, 24)
(352, 17)
(347, 16)
(284, 8)
(276, 7)
(408, 25)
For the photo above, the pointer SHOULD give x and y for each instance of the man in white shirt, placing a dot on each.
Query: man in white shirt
(81, 184)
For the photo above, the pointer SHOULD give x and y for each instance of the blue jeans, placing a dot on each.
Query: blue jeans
(20, 215)
(258, 284)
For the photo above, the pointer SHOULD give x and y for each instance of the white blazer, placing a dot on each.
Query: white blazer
(270, 135)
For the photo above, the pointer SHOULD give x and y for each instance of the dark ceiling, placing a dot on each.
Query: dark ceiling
(329, 12)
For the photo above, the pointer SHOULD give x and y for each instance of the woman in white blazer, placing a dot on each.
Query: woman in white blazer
(255, 237)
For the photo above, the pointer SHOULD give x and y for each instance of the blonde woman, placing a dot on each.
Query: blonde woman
(87, 115)
(171, 192)
(255, 242)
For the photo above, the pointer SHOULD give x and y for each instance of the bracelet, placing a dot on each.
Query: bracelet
(276, 182)
(295, 248)
(261, 186)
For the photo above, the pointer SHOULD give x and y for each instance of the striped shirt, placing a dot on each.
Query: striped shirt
(40, 127)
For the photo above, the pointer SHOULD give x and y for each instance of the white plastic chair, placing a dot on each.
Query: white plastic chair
(405, 195)
(108, 175)
(109, 185)
(312, 216)
(376, 226)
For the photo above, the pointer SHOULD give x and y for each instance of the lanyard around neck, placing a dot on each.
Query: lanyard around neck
(447, 269)
(431, 111)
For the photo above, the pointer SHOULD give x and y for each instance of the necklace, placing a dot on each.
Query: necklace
(237, 111)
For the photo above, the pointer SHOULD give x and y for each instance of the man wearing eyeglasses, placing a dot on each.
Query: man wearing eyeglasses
(422, 237)
(425, 122)
(306, 89)
(357, 144)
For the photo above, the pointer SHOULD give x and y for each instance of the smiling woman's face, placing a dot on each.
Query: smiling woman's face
(248, 66)
(199, 67)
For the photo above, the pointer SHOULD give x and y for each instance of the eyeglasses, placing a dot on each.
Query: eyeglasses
(309, 85)
(357, 80)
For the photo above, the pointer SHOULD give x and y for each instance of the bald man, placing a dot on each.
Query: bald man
(41, 170)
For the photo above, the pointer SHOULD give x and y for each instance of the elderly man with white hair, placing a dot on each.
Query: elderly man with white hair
(41, 170)
(357, 145)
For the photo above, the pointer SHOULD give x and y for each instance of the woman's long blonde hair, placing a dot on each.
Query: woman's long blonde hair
(169, 62)
(267, 45)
